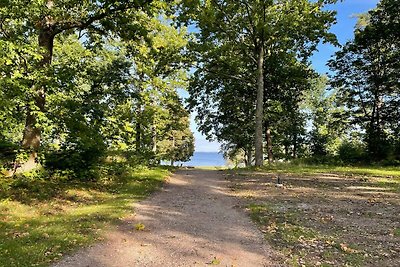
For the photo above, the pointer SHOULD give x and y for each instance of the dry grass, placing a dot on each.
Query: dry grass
(325, 219)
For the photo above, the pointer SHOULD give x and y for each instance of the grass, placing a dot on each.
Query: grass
(377, 171)
(378, 176)
(302, 245)
(42, 219)
(396, 232)
(325, 215)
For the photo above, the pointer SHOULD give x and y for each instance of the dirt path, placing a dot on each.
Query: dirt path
(192, 221)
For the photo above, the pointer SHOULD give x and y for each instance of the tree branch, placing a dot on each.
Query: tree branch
(61, 26)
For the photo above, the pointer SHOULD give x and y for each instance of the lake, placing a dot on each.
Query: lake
(205, 159)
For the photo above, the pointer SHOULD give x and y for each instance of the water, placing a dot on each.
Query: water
(205, 159)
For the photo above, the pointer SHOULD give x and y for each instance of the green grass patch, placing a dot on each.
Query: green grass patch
(42, 219)
(396, 232)
(377, 171)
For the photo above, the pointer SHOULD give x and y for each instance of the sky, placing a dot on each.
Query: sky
(346, 20)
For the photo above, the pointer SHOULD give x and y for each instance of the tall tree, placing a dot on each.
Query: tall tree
(325, 117)
(43, 20)
(366, 73)
(258, 31)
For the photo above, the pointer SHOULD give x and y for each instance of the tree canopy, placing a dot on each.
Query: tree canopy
(79, 79)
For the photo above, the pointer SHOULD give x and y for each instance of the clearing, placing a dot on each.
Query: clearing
(325, 219)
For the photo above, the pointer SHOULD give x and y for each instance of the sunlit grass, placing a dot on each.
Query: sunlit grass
(348, 170)
(36, 231)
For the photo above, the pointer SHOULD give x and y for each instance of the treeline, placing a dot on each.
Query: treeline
(255, 91)
(83, 80)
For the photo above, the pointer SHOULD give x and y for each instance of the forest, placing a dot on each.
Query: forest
(90, 97)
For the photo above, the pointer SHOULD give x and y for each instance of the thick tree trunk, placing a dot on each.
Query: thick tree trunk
(32, 133)
(269, 145)
(259, 108)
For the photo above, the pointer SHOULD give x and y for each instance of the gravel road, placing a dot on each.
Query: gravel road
(192, 221)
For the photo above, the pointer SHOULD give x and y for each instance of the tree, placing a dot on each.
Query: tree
(25, 21)
(328, 126)
(179, 142)
(102, 83)
(366, 73)
(224, 107)
(160, 69)
(258, 31)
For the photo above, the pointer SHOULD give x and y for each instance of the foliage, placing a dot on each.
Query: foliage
(255, 47)
(352, 152)
(366, 73)
(110, 83)
(328, 127)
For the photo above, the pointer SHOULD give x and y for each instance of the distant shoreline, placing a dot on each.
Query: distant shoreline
(201, 159)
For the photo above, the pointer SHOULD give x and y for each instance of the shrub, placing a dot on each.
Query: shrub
(352, 152)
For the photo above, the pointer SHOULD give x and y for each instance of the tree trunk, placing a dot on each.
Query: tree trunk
(269, 145)
(138, 138)
(286, 151)
(249, 157)
(295, 145)
(32, 133)
(154, 138)
(259, 108)
(173, 152)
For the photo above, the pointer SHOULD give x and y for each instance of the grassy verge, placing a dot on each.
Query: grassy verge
(378, 171)
(41, 219)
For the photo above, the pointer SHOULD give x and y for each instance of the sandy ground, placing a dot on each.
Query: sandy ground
(192, 221)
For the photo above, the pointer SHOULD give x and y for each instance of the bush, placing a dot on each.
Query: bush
(83, 163)
(351, 152)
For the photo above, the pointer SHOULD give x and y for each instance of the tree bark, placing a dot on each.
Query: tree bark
(249, 157)
(259, 108)
(138, 139)
(32, 132)
(173, 152)
(154, 138)
(269, 145)
(295, 145)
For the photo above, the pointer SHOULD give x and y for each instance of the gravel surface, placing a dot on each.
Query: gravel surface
(192, 221)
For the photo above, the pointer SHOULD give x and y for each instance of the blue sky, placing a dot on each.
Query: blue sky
(346, 21)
